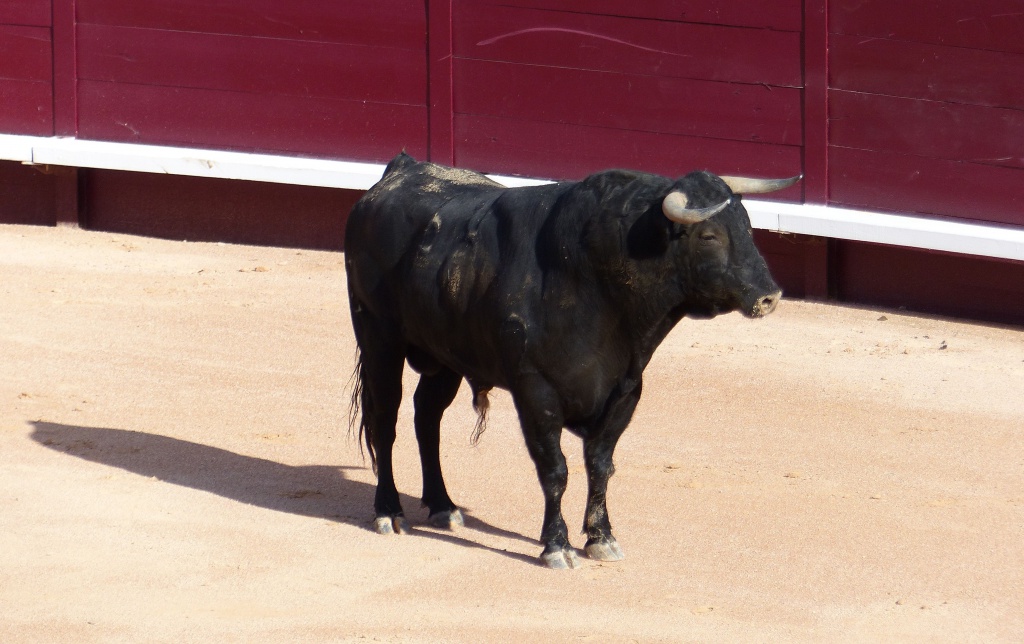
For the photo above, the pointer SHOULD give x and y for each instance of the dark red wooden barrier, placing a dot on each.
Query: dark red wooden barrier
(926, 107)
(915, 106)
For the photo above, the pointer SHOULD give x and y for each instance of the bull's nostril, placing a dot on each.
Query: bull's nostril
(768, 303)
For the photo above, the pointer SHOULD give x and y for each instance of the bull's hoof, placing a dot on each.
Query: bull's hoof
(391, 525)
(446, 519)
(560, 559)
(605, 550)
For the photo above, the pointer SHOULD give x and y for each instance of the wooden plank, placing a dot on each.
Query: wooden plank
(931, 72)
(784, 15)
(29, 13)
(993, 25)
(627, 45)
(629, 102)
(353, 130)
(255, 65)
(26, 107)
(25, 53)
(904, 183)
(557, 151)
(985, 135)
(385, 23)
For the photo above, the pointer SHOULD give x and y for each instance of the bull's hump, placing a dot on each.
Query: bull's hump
(454, 177)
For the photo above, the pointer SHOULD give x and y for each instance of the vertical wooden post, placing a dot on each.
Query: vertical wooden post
(65, 109)
(440, 106)
(815, 48)
(66, 196)
(819, 260)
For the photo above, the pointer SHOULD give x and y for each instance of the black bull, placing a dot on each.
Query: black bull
(558, 293)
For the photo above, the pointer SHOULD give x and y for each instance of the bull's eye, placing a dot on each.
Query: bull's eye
(708, 237)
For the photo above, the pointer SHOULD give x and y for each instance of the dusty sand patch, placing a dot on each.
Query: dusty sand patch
(174, 467)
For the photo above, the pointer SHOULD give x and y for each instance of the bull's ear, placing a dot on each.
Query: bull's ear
(751, 186)
(674, 205)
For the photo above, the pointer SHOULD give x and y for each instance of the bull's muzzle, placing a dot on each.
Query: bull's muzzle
(764, 305)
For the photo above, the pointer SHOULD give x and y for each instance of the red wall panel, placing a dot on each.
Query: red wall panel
(35, 13)
(26, 107)
(929, 72)
(993, 25)
(26, 88)
(243, 121)
(305, 77)
(252, 65)
(629, 46)
(25, 53)
(661, 86)
(386, 23)
(953, 131)
(629, 102)
(905, 183)
(572, 152)
(926, 113)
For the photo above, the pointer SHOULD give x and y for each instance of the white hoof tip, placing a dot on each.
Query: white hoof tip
(446, 520)
(561, 559)
(391, 525)
(605, 551)
(400, 525)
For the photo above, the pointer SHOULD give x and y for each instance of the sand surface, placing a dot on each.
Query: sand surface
(175, 466)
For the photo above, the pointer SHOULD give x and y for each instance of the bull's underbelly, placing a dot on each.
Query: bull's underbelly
(505, 352)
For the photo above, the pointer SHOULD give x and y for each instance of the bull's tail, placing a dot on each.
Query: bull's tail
(482, 404)
(357, 411)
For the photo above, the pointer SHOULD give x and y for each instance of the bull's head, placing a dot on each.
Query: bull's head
(724, 268)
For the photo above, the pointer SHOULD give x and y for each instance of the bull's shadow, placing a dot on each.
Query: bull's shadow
(320, 491)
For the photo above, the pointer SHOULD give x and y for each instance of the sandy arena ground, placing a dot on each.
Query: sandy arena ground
(175, 467)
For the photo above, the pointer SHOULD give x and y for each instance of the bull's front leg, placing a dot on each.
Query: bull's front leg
(598, 447)
(541, 420)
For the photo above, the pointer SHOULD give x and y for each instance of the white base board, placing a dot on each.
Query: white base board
(986, 240)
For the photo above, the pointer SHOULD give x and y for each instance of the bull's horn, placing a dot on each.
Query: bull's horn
(674, 207)
(751, 186)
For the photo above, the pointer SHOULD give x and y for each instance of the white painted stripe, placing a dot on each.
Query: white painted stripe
(989, 240)
(17, 148)
(916, 232)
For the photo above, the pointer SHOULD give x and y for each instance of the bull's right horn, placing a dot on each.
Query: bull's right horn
(674, 207)
(751, 186)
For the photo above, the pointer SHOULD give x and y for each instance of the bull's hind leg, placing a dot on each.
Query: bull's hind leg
(434, 394)
(382, 360)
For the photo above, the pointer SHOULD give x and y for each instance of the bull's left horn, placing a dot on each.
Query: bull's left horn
(751, 186)
(674, 207)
